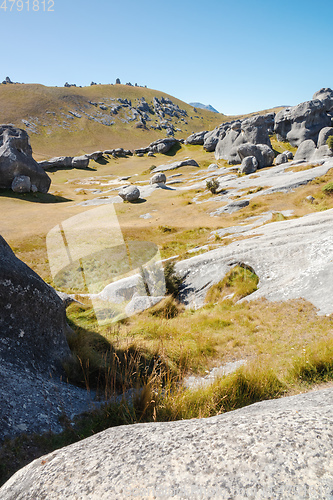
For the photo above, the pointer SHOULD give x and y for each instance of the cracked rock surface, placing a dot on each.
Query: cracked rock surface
(274, 449)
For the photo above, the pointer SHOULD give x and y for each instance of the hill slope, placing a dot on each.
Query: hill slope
(75, 120)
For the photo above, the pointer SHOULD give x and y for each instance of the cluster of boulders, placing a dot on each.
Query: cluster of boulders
(18, 169)
(307, 126)
(161, 146)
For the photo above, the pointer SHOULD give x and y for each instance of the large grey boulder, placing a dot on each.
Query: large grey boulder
(197, 138)
(162, 146)
(255, 130)
(32, 320)
(80, 162)
(175, 165)
(129, 193)
(325, 95)
(280, 159)
(305, 151)
(57, 162)
(277, 449)
(227, 146)
(249, 165)
(263, 153)
(302, 122)
(211, 138)
(324, 134)
(158, 178)
(21, 184)
(16, 159)
(96, 155)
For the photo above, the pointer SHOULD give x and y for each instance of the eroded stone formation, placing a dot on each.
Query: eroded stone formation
(18, 169)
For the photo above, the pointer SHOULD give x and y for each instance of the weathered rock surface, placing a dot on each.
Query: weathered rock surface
(140, 303)
(274, 449)
(325, 95)
(159, 178)
(253, 130)
(212, 138)
(175, 165)
(302, 122)
(249, 165)
(80, 162)
(57, 162)
(263, 153)
(16, 159)
(324, 134)
(129, 193)
(32, 321)
(232, 207)
(21, 184)
(197, 138)
(305, 151)
(295, 261)
(281, 158)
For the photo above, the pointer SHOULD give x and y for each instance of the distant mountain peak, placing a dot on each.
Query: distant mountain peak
(203, 106)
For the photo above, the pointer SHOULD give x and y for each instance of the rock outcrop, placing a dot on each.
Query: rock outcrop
(32, 321)
(302, 122)
(295, 261)
(16, 159)
(274, 449)
(175, 165)
(251, 131)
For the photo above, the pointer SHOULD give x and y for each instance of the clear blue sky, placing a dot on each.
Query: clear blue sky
(240, 56)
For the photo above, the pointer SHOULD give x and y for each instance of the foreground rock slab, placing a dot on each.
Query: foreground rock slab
(273, 449)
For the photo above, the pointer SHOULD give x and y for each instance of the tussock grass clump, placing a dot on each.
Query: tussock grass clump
(167, 309)
(328, 189)
(316, 364)
(240, 281)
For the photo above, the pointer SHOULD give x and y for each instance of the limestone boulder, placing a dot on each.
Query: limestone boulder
(57, 162)
(80, 162)
(263, 153)
(305, 151)
(274, 449)
(21, 184)
(302, 122)
(197, 138)
(325, 95)
(16, 159)
(324, 134)
(280, 159)
(129, 193)
(158, 178)
(249, 165)
(32, 320)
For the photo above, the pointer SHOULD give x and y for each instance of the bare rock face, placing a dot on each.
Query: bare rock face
(16, 159)
(21, 184)
(129, 193)
(32, 318)
(159, 178)
(302, 122)
(274, 449)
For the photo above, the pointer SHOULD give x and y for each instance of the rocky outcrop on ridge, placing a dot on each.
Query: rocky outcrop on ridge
(273, 449)
(16, 161)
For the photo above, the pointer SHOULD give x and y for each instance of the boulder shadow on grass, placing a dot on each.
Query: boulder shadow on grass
(34, 197)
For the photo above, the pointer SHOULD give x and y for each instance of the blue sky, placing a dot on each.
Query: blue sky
(239, 56)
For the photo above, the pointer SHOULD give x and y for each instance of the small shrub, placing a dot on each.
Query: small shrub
(329, 142)
(172, 279)
(328, 189)
(212, 185)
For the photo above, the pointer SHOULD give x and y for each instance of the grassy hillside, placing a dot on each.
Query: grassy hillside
(45, 112)
(54, 132)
